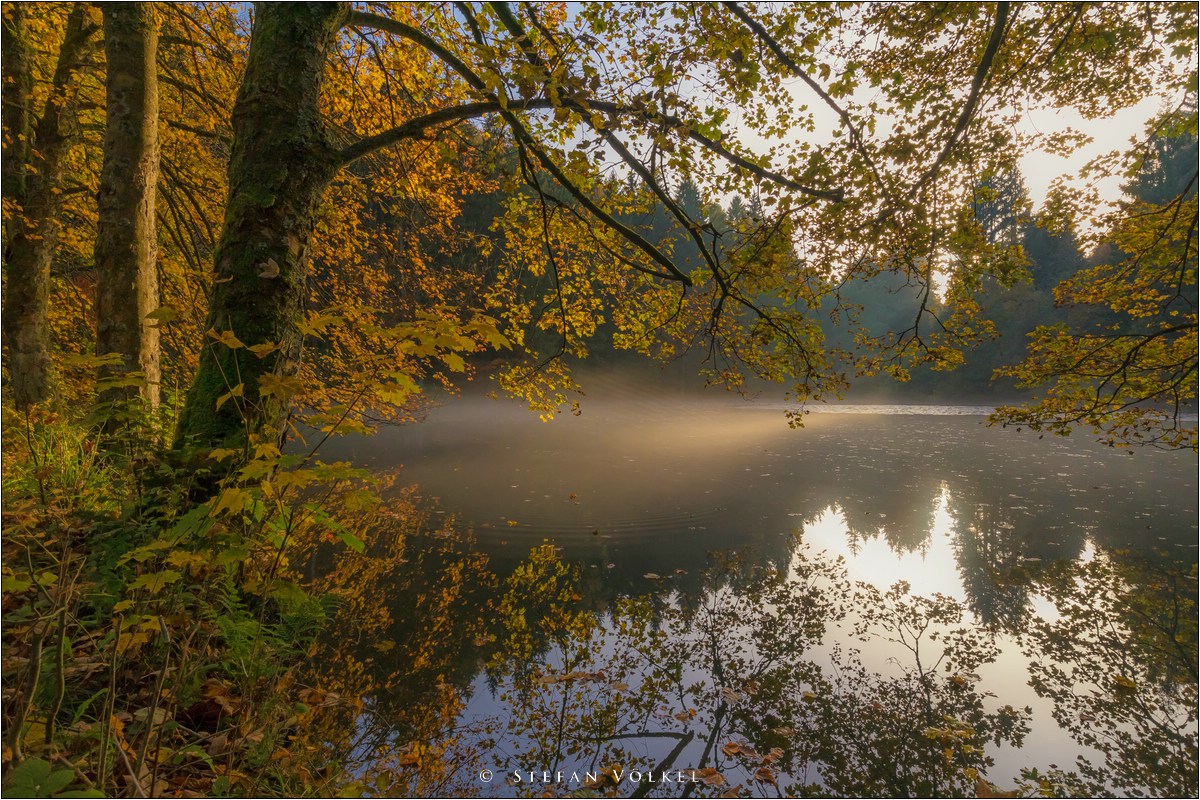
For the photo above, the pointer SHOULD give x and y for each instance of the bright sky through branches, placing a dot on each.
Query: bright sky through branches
(1040, 169)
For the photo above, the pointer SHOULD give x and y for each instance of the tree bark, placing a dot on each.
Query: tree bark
(17, 119)
(125, 250)
(36, 224)
(281, 164)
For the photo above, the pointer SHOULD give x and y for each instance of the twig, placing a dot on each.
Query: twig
(137, 785)
(162, 674)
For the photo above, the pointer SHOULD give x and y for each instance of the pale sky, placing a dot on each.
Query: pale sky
(1114, 133)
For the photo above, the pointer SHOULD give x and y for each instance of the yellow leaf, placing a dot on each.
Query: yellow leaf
(226, 338)
(234, 392)
(1124, 685)
(281, 387)
(155, 581)
(232, 500)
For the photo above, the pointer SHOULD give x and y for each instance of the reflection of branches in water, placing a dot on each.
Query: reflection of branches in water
(737, 674)
(736, 683)
(1119, 663)
(394, 685)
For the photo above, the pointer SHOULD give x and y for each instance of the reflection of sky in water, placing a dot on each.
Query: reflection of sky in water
(933, 569)
(875, 561)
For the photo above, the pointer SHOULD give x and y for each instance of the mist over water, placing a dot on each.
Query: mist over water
(677, 473)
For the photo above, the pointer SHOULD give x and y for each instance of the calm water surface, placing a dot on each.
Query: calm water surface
(1065, 569)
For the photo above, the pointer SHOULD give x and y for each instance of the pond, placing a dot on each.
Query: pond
(669, 595)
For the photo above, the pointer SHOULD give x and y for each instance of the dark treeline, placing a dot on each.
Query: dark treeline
(862, 313)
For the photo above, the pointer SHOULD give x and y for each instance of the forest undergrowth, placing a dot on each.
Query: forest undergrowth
(157, 645)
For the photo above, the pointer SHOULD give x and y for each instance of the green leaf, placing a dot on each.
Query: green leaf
(154, 582)
(352, 541)
(35, 777)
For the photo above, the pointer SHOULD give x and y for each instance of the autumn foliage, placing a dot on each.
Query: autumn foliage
(343, 209)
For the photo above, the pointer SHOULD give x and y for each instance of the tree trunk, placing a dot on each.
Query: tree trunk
(281, 164)
(126, 272)
(17, 119)
(35, 227)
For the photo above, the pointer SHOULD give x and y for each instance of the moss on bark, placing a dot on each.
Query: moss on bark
(281, 164)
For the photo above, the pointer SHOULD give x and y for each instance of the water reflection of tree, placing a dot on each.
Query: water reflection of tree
(730, 675)
(990, 553)
(892, 498)
(388, 683)
(1119, 663)
(735, 687)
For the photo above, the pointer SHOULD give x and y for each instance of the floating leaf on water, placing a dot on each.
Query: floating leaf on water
(985, 789)
(764, 775)
(709, 777)
(731, 695)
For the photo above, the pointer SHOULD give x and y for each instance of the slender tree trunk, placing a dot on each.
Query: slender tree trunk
(281, 164)
(35, 225)
(16, 117)
(126, 269)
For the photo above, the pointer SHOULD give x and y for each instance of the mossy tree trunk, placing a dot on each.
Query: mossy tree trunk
(35, 204)
(125, 250)
(281, 164)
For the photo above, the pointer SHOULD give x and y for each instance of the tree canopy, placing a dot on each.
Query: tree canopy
(861, 135)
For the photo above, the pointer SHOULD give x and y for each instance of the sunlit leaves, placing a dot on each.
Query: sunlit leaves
(1129, 374)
